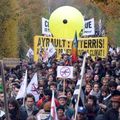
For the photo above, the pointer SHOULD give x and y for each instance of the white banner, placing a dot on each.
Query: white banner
(88, 30)
(45, 27)
(89, 27)
(65, 71)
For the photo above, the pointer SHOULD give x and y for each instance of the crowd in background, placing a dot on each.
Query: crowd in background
(101, 88)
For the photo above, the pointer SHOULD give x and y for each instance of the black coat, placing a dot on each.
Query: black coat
(23, 112)
(111, 114)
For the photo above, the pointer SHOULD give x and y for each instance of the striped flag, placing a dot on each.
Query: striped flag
(74, 48)
(53, 111)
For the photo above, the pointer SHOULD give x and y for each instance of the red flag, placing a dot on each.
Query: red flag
(53, 111)
(74, 48)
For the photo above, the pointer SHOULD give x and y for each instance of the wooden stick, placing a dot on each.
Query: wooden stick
(64, 86)
(4, 90)
(81, 78)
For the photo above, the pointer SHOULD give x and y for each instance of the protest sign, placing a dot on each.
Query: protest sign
(89, 27)
(95, 46)
(65, 71)
(11, 62)
(45, 27)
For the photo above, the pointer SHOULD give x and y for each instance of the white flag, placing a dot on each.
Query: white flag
(45, 56)
(53, 111)
(30, 53)
(118, 49)
(78, 89)
(22, 91)
(51, 50)
(100, 26)
(33, 87)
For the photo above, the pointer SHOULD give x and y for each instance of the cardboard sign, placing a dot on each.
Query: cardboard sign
(65, 71)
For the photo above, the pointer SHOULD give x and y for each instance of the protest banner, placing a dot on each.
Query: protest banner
(11, 62)
(89, 27)
(95, 46)
(45, 27)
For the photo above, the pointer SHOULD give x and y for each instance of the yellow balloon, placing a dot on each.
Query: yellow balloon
(65, 21)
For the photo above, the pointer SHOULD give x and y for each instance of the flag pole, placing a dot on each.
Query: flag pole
(4, 90)
(81, 78)
(25, 91)
(64, 86)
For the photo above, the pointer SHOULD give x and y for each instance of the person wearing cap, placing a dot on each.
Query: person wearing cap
(81, 113)
(113, 113)
(63, 102)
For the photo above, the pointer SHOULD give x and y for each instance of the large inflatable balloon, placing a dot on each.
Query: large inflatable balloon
(65, 21)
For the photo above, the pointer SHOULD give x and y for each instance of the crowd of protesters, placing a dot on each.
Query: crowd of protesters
(101, 88)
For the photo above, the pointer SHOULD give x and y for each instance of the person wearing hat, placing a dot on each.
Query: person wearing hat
(81, 113)
(63, 102)
(113, 113)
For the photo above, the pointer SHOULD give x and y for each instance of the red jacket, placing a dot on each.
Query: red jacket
(43, 100)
